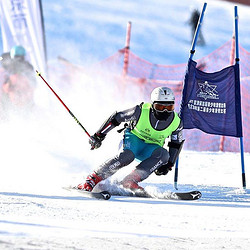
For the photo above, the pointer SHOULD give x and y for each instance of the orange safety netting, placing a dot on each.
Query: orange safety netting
(137, 77)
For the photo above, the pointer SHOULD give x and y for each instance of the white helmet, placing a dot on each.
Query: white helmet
(162, 94)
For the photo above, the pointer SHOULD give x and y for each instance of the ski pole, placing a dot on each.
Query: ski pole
(39, 74)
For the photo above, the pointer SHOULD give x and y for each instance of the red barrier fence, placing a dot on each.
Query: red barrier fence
(140, 77)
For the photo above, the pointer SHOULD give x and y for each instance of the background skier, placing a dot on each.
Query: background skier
(193, 21)
(19, 79)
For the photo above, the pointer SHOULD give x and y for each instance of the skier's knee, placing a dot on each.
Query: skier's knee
(126, 157)
(161, 154)
(110, 167)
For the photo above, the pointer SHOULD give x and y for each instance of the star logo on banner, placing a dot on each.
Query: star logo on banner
(207, 91)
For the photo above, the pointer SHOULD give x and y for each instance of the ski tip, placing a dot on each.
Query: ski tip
(196, 195)
(106, 195)
(192, 195)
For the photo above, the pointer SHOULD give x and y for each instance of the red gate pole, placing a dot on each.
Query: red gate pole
(126, 50)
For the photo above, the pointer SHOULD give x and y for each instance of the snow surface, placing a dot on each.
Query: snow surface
(46, 149)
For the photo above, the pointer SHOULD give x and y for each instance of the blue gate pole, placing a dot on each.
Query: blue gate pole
(237, 61)
(192, 51)
(176, 174)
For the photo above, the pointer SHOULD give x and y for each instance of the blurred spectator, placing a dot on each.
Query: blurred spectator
(18, 79)
(193, 21)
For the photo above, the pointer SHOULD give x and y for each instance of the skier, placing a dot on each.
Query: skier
(18, 64)
(193, 22)
(149, 125)
(19, 80)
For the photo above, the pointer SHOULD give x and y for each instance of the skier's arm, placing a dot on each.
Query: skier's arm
(117, 118)
(113, 121)
(176, 143)
(175, 146)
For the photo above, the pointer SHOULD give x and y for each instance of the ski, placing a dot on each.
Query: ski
(192, 195)
(103, 195)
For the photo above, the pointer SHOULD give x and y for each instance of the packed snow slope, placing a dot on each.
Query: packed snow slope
(44, 149)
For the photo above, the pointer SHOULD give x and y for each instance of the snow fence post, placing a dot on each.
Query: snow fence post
(126, 50)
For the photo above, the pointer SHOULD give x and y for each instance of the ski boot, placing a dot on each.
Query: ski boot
(131, 182)
(90, 183)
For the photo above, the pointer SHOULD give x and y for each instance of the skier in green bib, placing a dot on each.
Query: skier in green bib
(150, 124)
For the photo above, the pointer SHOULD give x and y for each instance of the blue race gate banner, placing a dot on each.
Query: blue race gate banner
(211, 102)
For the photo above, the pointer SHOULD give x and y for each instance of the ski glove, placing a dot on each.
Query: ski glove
(96, 140)
(164, 169)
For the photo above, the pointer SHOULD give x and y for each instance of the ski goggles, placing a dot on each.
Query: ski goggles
(160, 107)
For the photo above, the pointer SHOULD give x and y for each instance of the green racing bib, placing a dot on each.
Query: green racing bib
(146, 132)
